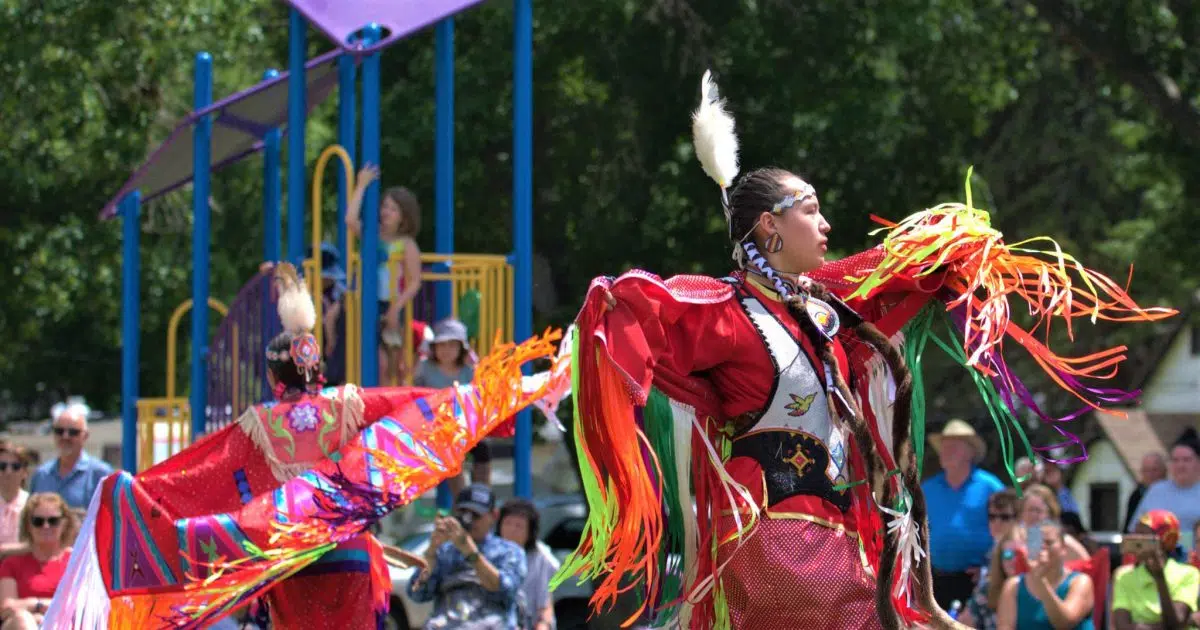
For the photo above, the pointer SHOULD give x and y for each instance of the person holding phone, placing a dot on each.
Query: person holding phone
(1040, 503)
(1048, 596)
(474, 576)
(1156, 592)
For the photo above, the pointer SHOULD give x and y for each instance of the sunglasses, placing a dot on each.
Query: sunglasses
(1004, 518)
(61, 431)
(15, 466)
(1008, 554)
(45, 521)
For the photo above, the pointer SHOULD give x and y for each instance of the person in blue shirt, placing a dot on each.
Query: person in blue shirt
(473, 577)
(74, 475)
(957, 499)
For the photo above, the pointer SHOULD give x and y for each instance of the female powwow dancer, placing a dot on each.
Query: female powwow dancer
(780, 398)
(278, 504)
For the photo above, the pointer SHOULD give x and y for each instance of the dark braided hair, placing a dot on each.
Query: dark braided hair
(293, 356)
(755, 193)
(286, 372)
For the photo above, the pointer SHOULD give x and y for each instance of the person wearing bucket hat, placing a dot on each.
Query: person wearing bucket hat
(959, 538)
(449, 362)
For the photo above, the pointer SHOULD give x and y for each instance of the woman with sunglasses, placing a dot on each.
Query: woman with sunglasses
(1002, 517)
(28, 580)
(13, 471)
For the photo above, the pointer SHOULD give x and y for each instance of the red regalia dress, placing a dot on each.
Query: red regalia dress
(706, 387)
(269, 445)
(731, 351)
(278, 504)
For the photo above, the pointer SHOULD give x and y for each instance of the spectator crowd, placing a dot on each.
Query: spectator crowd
(1020, 558)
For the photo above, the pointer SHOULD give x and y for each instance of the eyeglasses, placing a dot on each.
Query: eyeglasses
(1004, 518)
(61, 431)
(45, 521)
(15, 466)
(1008, 554)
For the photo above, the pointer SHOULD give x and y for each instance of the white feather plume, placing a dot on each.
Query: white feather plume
(713, 135)
(296, 310)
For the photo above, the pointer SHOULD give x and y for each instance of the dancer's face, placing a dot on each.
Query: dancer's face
(803, 229)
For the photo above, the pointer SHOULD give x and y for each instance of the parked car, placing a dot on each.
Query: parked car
(563, 518)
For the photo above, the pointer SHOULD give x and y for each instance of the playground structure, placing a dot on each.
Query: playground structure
(228, 372)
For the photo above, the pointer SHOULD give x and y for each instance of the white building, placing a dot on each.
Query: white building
(1170, 404)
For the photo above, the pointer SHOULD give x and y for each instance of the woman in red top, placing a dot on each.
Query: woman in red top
(784, 410)
(28, 580)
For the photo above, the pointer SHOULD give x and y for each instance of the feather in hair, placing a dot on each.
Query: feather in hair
(296, 309)
(713, 135)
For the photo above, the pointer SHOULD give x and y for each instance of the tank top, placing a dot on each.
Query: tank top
(1031, 613)
(386, 250)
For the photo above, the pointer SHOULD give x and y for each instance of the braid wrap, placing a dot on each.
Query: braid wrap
(876, 476)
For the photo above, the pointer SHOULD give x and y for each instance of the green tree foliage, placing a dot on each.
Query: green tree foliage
(1077, 121)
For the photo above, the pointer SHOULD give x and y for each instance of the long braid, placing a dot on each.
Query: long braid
(761, 191)
(906, 459)
(797, 305)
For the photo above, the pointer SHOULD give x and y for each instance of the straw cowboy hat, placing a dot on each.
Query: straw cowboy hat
(960, 429)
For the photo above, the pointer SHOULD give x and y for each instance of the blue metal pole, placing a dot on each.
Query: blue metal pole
(370, 215)
(347, 119)
(201, 150)
(444, 180)
(272, 189)
(523, 222)
(297, 112)
(130, 327)
(444, 157)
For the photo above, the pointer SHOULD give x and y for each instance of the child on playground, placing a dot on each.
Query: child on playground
(399, 222)
(451, 361)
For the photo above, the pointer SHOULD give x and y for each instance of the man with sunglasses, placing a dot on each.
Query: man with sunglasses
(74, 474)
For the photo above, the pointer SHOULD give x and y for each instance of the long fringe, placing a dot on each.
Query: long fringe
(81, 601)
(981, 272)
(461, 420)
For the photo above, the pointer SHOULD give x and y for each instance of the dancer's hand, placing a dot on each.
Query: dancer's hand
(609, 301)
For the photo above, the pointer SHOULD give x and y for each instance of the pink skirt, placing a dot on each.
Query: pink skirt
(794, 573)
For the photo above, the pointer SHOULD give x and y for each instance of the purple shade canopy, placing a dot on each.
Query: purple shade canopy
(342, 19)
(239, 123)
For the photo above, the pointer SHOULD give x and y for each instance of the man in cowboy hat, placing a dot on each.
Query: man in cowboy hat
(957, 499)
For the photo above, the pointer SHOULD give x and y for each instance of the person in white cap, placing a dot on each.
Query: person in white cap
(957, 498)
(450, 363)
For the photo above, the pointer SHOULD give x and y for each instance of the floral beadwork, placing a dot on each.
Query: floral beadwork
(303, 417)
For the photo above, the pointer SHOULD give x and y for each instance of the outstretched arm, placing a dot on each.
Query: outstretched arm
(366, 176)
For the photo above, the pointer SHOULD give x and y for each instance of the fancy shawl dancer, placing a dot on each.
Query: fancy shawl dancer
(278, 503)
(781, 397)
